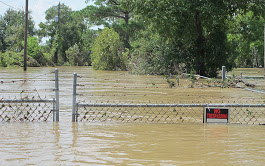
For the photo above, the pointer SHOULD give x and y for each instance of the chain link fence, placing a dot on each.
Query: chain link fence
(241, 111)
(29, 106)
(29, 110)
(166, 113)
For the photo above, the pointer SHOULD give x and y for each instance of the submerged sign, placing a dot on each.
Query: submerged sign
(216, 115)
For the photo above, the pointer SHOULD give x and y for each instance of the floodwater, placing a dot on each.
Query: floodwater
(67, 143)
(131, 144)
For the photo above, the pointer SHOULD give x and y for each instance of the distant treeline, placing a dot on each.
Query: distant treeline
(144, 37)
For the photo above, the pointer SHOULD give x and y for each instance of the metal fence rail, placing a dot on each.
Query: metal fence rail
(27, 110)
(31, 109)
(165, 113)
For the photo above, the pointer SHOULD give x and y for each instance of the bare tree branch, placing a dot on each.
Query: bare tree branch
(114, 2)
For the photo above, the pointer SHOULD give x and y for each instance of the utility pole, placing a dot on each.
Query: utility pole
(26, 37)
(59, 6)
(58, 32)
(264, 50)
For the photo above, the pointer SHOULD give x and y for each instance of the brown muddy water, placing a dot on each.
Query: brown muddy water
(67, 143)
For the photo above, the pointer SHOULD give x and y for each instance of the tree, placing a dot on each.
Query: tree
(246, 36)
(196, 28)
(74, 56)
(87, 36)
(107, 54)
(154, 55)
(117, 14)
(64, 34)
(12, 30)
(35, 50)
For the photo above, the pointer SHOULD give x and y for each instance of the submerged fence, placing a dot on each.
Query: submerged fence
(38, 109)
(165, 113)
(161, 113)
(27, 110)
(31, 109)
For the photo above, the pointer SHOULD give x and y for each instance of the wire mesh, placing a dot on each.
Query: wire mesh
(166, 113)
(26, 110)
(249, 115)
(21, 99)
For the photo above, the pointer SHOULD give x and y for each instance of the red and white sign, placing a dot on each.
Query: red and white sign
(216, 115)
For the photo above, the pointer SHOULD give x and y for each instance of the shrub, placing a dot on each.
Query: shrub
(107, 53)
(10, 58)
(35, 51)
(74, 56)
(49, 59)
(152, 55)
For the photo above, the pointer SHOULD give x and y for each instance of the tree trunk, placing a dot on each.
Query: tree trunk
(127, 37)
(199, 58)
(127, 18)
(56, 57)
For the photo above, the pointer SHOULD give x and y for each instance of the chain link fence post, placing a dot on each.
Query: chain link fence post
(74, 98)
(57, 94)
(223, 73)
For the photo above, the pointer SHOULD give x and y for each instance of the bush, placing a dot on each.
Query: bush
(10, 58)
(49, 59)
(74, 56)
(35, 51)
(31, 62)
(107, 53)
(153, 55)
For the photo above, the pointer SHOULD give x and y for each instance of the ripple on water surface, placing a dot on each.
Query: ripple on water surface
(137, 144)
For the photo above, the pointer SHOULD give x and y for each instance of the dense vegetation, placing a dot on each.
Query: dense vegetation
(145, 37)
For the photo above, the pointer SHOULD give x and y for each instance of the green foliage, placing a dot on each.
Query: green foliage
(33, 47)
(177, 80)
(196, 29)
(107, 54)
(87, 39)
(74, 56)
(153, 54)
(9, 59)
(49, 59)
(148, 37)
(63, 34)
(146, 57)
(246, 32)
(192, 78)
(117, 14)
(12, 30)
(249, 112)
(35, 51)
(12, 41)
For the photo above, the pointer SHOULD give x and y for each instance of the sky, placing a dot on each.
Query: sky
(38, 7)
